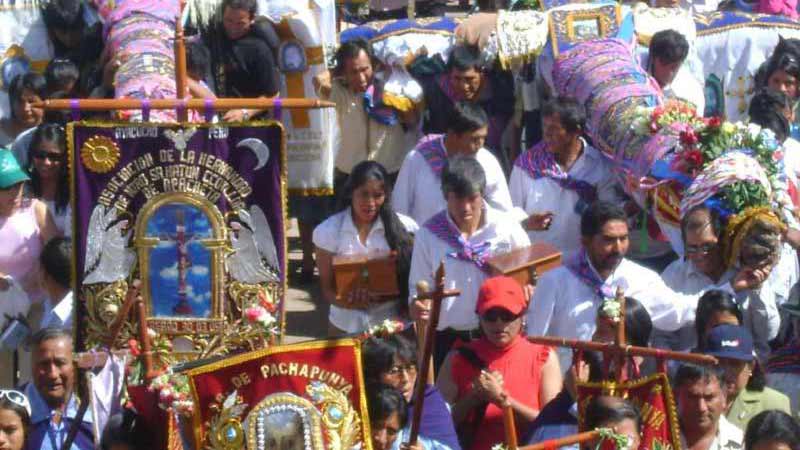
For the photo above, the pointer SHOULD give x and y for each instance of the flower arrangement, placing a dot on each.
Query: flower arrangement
(173, 393)
(384, 329)
(261, 313)
(611, 309)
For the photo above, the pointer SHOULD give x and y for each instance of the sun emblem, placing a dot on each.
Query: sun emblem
(100, 154)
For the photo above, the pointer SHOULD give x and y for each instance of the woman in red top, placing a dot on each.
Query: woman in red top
(501, 368)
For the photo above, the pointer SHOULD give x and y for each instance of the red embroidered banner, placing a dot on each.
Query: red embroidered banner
(653, 396)
(301, 396)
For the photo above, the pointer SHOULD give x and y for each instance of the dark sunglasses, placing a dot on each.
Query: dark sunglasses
(54, 157)
(493, 314)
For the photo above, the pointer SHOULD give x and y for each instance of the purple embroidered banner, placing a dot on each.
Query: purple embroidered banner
(195, 212)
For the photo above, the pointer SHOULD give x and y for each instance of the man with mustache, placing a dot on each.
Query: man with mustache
(566, 299)
(701, 400)
(53, 404)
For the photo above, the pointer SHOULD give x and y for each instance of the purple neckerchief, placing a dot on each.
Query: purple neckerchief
(442, 228)
(538, 162)
(579, 265)
(431, 147)
(376, 109)
(443, 81)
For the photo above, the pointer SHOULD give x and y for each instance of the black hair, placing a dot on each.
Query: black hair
(689, 224)
(57, 116)
(198, 59)
(594, 360)
(249, 5)
(786, 61)
(383, 401)
(712, 301)
(638, 324)
(54, 134)
(691, 373)
(47, 334)
(59, 74)
(597, 215)
(62, 14)
(463, 176)
(27, 81)
(377, 355)
(605, 410)
(20, 411)
(350, 50)
(570, 112)
(56, 260)
(463, 58)
(772, 425)
(398, 238)
(126, 428)
(668, 46)
(766, 110)
(467, 117)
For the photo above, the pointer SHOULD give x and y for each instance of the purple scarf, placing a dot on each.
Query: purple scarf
(443, 81)
(579, 265)
(376, 109)
(442, 228)
(431, 147)
(538, 162)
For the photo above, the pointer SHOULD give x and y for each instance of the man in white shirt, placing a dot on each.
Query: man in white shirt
(463, 236)
(56, 262)
(567, 298)
(556, 180)
(416, 192)
(701, 400)
(703, 269)
(668, 51)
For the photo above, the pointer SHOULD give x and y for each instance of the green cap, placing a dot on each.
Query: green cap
(10, 171)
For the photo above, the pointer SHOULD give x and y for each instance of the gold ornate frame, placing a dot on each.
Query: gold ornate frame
(567, 19)
(215, 245)
(312, 420)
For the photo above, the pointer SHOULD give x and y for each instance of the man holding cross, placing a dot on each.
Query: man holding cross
(566, 300)
(463, 236)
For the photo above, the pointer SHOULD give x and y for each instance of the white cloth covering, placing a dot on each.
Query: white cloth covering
(338, 235)
(501, 231)
(418, 194)
(546, 195)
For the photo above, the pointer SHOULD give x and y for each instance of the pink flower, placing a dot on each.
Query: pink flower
(253, 314)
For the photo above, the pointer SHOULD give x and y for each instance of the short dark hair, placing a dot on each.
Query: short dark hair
(378, 355)
(56, 260)
(126, 428)
(605, 409)
(198, 59)
(62, 14)
(766, 111)
(688, 373)
(463, 176)
(251, 6)
(772, 425)
(690, 225)
(570, 112)
(59, 74)
(710, 302)
(463, 58)
(383, 401)
(31, 81)
(350, 50)
(597, 215)
(669, 46)
(48, 334)
(467, 117)
(638, 324)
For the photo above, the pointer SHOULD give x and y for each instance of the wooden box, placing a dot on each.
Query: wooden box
(526, 263)
(376, 273)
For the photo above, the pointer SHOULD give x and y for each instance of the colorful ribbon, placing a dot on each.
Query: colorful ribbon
(539, 162)
(442, 228)
(431, 147)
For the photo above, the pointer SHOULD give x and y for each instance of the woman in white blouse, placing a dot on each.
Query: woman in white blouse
(365, 225)
(47, 165)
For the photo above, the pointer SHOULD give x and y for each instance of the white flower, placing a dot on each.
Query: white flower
(753, 131)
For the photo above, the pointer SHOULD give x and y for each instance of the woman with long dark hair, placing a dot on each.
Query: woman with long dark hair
(366, 224)
(15, 419)
(47, 165)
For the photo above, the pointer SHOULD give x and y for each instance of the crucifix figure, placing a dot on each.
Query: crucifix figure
(183, 262)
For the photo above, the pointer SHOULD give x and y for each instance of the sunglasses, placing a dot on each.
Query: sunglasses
(17, 398)
(493, 314)
(54, 157)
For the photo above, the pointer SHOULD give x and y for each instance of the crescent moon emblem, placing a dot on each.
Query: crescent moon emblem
(259, 148)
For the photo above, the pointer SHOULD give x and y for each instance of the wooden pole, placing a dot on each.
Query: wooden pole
(422, 327)
(621, 341)
(219, 104)
(130, 300)
(436, 298)
(412, 9)
(612, 348)
(181, 77)
(147, 351)
(561, 442)
(510, 427)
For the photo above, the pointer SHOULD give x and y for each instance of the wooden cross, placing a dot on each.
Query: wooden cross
(425, 364)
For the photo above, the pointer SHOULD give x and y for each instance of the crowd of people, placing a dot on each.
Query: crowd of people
(438, 183)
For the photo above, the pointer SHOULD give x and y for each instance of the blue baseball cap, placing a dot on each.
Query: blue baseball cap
(730, 341)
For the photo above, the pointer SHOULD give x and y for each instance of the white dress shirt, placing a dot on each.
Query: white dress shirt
(729, 436)
(503, 234)
(563, 305)
(546, 195)
(339, 235)
(418, 193)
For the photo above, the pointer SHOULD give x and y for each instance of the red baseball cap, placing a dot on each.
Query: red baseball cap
(501, 292)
